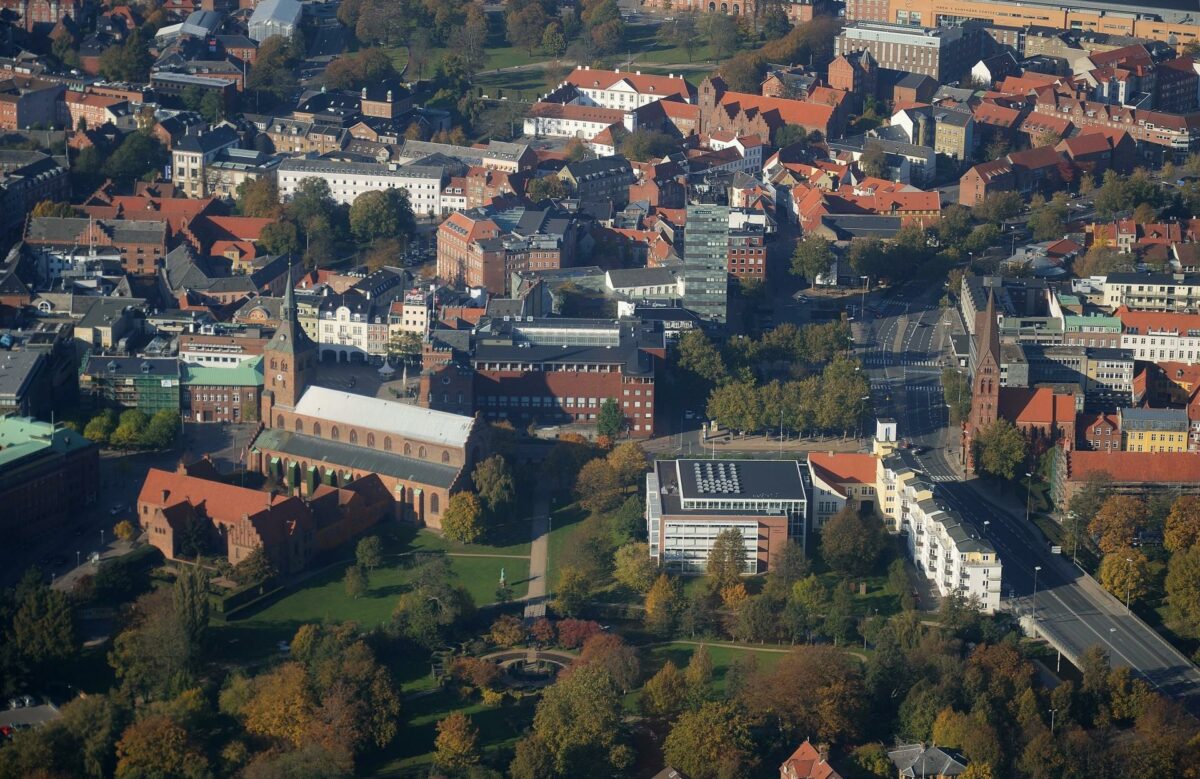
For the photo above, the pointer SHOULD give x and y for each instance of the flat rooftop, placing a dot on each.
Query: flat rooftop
(731, 481)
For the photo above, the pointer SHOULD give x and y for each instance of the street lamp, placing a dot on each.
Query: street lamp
(1052, 713)
(76, 558)
(101, 540)
(1128, 581)
(866, 280)
(1028, 492)
(1036, 569)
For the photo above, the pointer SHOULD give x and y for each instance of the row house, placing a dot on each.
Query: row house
(1160, 337)
(627, 91)
(1172, 137)
(141, 244)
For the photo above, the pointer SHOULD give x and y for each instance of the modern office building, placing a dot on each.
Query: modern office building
(689, 503)
(706, 261)
(47, 475)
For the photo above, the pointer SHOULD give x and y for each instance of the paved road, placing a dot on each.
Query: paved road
(539, 553)
(900, 349)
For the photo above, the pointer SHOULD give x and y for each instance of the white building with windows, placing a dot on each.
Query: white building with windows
(629, 90)
(348, 180)
(945, 548)
(690, 502)
(1160, 337)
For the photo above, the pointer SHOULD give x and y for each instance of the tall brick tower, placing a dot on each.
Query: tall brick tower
(985, 390)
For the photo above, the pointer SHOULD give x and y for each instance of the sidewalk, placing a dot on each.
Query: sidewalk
(539, 552)
(113, 549)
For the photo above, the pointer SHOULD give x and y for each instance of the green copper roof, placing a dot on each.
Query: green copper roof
(21, 437)
(247, 373)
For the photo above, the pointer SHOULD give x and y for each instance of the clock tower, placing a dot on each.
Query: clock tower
(289, 360)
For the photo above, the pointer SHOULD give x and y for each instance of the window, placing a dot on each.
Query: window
(279, 421)
(434, 504)
(421, 453)
(408, 449)
(316, 428)
(299, 425)
(354, 436)
(371, 440)
(333, 433)
(445, 457)
(387, 443)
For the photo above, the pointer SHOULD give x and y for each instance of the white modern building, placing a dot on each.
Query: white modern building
(690, 502)
(1160, 337)
(945, 548)
(274, 17)
(348, 180)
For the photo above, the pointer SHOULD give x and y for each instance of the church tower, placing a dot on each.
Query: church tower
(985, 389)
(289, 360)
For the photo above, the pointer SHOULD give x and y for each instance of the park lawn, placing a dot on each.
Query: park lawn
(510, 540)
(565, 522)
(722, 656)
(878, 598)
(323, 599)
(499, 729)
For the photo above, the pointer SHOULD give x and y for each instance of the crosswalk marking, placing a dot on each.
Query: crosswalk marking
(888, 360)
(942, 478)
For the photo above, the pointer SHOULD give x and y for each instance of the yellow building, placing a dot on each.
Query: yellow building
(1146, 21)
(1154, 430)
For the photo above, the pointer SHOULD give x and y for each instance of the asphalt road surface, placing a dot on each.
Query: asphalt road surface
(902, 347)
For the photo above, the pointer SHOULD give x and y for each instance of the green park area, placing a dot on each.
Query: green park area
(321, 598)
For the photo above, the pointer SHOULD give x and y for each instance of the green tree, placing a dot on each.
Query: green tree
(713, 741)
(525, 25)
(852, 541)
(812, 257)
(280, 237)
(192, 606)
(633, 567)
(212, 107)
(628, 461)
(578, 723)
(644, 145)
(255, 567)
(162, 429)
(610, 422)
(545, 188)
(839, 618)
(737, 406)
(981, 238)
(873, 161)
(1048, 220)
(463, 518)
(43, 628)
(726, 559)
(757, 620)
(1000, 449)
(456, 747)
(664, 694)
(493, 479)
(258, 197)
(273, 74)
(698, 356)
(957, 392)
(381, 213)
(138, 155)
(999, 206)
(100, 427)
(1183, 589)
(355, 582)
(573, 591)
(368, 553)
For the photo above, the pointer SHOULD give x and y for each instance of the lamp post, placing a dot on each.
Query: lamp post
(76, 558)
(1028, 493)
(1073, 518)
(1036, 569)
(1052, 713)
(1128, 581)
(862, 313)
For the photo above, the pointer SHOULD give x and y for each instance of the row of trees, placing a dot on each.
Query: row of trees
(1133, 567)
(133, 429)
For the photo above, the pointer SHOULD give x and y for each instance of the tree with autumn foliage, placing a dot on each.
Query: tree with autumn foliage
(1182, 530)
(662, 605)
(618, 659)
(665, 694)
(456, 747)
(1116, 524)
(159, 746)
(1126, 574)
(712, 741)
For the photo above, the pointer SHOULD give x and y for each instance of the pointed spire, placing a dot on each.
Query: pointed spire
(288, 310)
(988, 333)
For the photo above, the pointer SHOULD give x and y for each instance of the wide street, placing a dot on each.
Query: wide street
(902, 350)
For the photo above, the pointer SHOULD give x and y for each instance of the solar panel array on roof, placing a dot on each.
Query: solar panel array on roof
(717, 478)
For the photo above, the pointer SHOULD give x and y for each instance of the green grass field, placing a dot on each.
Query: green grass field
(655, 657)
(323, 598)
(564, 522)
(499, 730)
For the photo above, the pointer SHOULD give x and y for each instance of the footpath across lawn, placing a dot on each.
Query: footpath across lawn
(680, 653)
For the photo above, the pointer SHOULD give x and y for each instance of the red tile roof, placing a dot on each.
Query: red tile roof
(779, 110)
(1143, 322)
(845, 467)
(1039, 407)
(1135, 467)
(579, 113)
(806, 763)
(663, 86)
